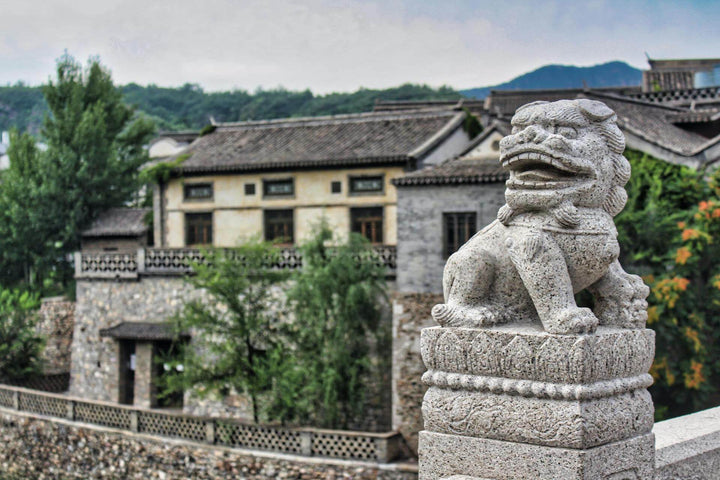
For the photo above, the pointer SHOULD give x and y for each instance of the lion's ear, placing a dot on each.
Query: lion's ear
(615, 201)
(594, 110)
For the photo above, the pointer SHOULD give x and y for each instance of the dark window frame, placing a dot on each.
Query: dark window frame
(250, 189)
(287, 239)
(336, 187)
(211, 230)
(268, 181)
(465, 226)
(355, 212)
(188, 186)
(353, 178)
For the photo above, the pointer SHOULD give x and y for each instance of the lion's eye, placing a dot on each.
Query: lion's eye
(567, 132)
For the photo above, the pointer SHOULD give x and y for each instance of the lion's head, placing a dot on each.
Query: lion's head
(565, 154)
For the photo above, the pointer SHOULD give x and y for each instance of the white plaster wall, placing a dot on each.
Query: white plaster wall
(450, 148)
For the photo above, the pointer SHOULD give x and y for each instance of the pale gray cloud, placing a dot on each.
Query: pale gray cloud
(336, 45)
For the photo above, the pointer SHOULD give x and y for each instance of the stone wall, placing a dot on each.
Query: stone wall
(420, 256)
(42, 449)
(688, 447)
(104, 304)
(56, 323)
(411, 313)
(95, 364)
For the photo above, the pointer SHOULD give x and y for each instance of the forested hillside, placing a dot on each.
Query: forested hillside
(189, 107)
(610, 74)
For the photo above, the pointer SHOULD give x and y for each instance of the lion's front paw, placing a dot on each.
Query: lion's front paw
(449, 316)
(625, 304)
(571, 321)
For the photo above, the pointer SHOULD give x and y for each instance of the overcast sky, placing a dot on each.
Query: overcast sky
(336, 45)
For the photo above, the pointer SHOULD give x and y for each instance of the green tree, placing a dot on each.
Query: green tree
(337, 301)
(94, 149)
(20, 345)
(236, 344)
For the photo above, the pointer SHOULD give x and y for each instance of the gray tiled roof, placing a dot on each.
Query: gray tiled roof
(503, 127)
(698, 97)
(456, 171)
(181, 136)
(120, 222)
(475, 106)
(342, 140)
(141, 331)
(504, 103)
(652, 122)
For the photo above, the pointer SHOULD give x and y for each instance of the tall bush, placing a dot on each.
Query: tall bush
(670, 233)
(20, 345)
(337, 302)
(236, 344)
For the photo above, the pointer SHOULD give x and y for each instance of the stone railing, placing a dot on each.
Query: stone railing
(178, 261)
(311, 442)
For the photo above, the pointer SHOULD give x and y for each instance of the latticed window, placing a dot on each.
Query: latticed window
(278, 188)
(198, 191)
(366, 184)
(279, 226)
(458, 228)
(198, 228)
(368, 222)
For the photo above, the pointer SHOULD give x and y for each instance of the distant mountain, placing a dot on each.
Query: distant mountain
(611, 74)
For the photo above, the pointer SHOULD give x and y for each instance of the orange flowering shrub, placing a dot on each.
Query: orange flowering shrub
(670, 234)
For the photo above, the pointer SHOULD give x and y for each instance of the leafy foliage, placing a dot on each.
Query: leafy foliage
(236, 343)
(160, 172)
(670, 232)
(337, 299)
(20, 346)
(189, 107)
(311, 369)
(94, 149)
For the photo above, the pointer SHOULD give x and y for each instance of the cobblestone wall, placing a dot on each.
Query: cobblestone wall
(95, 370)
(56, 322)
(411, 313)
(105, 303)
(41, 449)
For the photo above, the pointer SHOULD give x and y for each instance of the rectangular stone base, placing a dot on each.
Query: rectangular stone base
(442, 456)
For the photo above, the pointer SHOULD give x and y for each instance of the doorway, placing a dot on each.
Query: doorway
(126, 376)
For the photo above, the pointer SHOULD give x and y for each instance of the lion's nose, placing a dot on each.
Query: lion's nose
(535, 134)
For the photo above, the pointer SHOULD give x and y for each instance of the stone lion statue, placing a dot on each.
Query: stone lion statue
(555, 236)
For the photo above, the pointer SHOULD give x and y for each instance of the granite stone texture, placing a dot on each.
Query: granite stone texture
(556, 423)
(555, 235)
(528, 352)
(688, 447)
(524, 383)
(443, 455)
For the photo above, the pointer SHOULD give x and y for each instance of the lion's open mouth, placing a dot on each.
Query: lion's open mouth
(532, 169)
